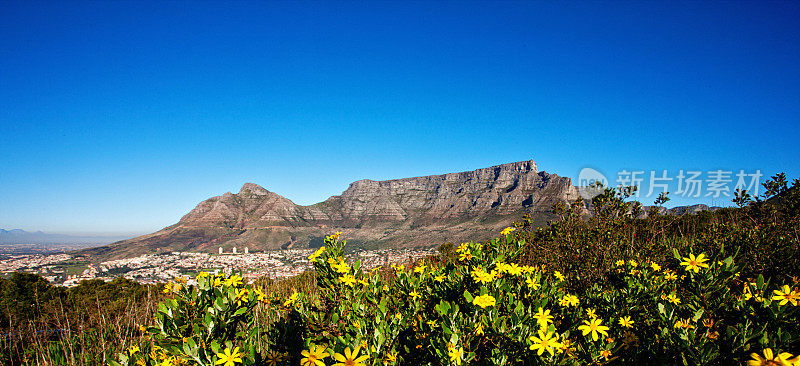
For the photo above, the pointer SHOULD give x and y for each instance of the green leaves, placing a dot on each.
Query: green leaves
(426, 317)
(468, 296)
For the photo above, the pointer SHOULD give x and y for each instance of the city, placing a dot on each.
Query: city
(69, 270)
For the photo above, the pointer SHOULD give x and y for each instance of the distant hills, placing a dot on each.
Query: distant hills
(420, 211)
(17, 236)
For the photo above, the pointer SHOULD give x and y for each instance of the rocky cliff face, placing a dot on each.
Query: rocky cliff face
(402, 212)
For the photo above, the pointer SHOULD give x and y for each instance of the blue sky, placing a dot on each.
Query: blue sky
(119, 117)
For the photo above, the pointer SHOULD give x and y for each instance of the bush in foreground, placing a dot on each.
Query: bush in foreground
(482, 307)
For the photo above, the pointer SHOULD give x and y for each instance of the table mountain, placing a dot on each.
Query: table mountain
(420, 211)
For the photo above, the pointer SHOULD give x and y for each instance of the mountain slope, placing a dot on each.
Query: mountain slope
(420, 211)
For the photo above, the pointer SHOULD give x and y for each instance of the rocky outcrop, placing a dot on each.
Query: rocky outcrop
(402, 212)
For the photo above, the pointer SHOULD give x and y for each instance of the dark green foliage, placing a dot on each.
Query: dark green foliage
(762, 234)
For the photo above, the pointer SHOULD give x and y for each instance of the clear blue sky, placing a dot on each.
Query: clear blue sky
(119, 117)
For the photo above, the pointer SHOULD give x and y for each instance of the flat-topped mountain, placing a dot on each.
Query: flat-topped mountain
(420, 211)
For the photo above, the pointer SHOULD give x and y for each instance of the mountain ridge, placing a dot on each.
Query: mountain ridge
(19, 236)
(416, 211)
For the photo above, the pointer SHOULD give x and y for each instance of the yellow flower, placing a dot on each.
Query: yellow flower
(398, 316)
(229, 358)
(514, 269)
(347, 280)
(507, 231)
(605, 354)
(291, 299)
(566, 346)
(261, 296)
(626, 322)
(786, 295)
(313, 356)
(414, 295)
(180, 279)
(655, 266)
(200, 275)
(694, 263)
(593, 326)
(316, 254)
(465, 256)
(420, 268)
(133, 349)
(350, 358)
(633, 263)
(234, 281)
(673, 298)
(590, 313)
(544, 342)
(439, 278)
(770, 359)
(480, 276)
(558, 275)
(217, 281)
(455, 355)
(463, 247)
(543, 317)
(168, 287)
(142, 328)
(390, 358)
(341, 267)
(484, 300)
(620, 263)
(479, 329)
(670, 275)
(533, 285)
(241, 296)
(502, 267)
(569, 300)
(749, 295)
(685, 324)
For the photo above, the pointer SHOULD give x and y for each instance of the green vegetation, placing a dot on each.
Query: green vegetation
(717, 288)
(84, 325)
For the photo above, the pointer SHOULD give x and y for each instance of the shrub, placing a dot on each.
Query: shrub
(484, 306)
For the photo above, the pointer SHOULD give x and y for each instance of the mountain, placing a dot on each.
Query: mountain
(680, 210)
(18, 236)
(420, 211)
